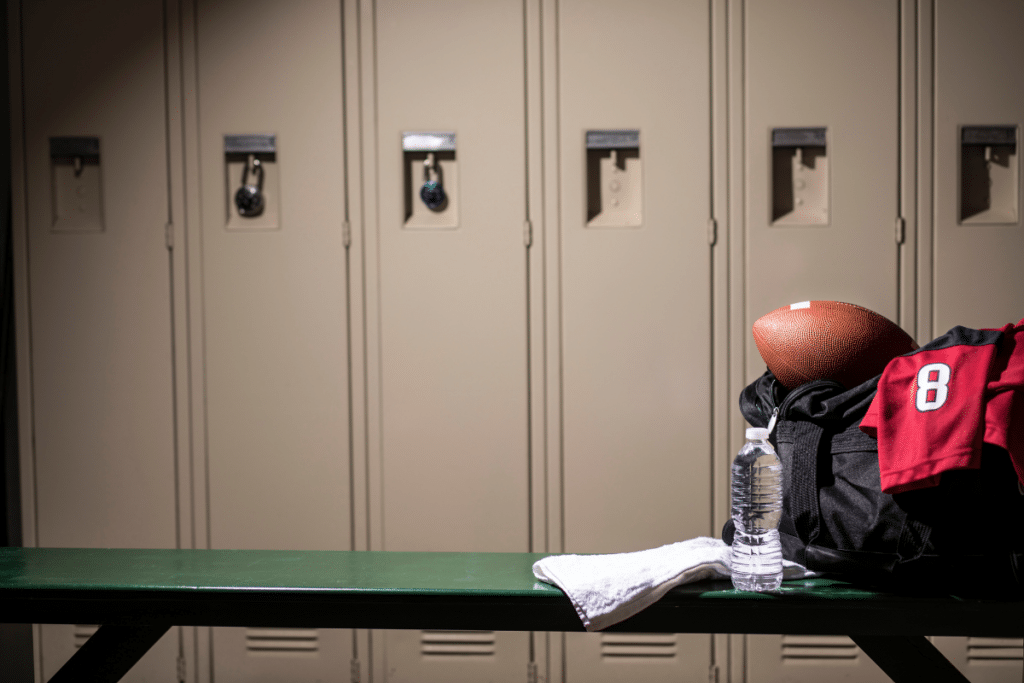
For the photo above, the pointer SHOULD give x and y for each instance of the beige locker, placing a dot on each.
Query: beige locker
(978, 240)
(820, 215)
(449, 300)
(978, 237)
(808, 65)
(274, 298)
(99, 291)
(636, 358)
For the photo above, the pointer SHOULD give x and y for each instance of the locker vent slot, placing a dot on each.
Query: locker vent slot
(995, 649)
(82, 633)
(638, 645)
(818, 648)
(281, 640)
(457, 643)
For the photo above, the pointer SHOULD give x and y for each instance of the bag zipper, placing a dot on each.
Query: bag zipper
(801, 390)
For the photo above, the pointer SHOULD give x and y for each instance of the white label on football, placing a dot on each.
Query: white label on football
(802, 304)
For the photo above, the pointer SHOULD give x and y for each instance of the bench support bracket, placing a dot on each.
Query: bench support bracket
(909, 659)
(110, 653)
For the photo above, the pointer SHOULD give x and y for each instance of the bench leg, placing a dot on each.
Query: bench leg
(909, 659)
(110, 653)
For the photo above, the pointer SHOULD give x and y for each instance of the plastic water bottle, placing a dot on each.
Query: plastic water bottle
(756, 509)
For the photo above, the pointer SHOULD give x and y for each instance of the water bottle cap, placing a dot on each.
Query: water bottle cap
(757, 434)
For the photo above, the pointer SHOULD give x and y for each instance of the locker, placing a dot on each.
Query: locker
(821, 126)
(974, 251)
(100, 309)
(976, 264)
(274, 302)
(98, 288)
(449, 304)
(635, 275)
(806, 66)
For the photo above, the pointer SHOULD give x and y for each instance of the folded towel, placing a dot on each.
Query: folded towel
(605, 589)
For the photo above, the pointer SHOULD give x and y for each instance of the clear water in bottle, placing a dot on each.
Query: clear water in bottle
(756, 509)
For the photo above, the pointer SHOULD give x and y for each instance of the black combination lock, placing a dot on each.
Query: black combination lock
(432, 193)
(249, 198)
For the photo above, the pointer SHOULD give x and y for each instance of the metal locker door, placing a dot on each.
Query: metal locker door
(636, 292)
(820, 206)
(449, 301)
(820, 218)
(977, 240)
(269, 78)
(978, 83)
(99, 290)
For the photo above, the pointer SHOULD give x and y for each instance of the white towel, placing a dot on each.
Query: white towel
(605, 589)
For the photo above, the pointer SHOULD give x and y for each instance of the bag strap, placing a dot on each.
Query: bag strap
(804, 489)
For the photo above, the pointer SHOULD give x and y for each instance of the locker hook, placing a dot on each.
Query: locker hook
(254, 164)
(78, 166)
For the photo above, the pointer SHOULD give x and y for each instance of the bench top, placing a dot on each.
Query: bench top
(485, 591)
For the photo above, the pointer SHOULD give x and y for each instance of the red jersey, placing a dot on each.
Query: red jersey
(935, 406)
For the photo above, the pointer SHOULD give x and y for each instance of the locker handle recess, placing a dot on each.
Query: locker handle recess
(76, 184)
(430, 186)
(988, 175)
(253, 181)
(800, 178)
(614, 172)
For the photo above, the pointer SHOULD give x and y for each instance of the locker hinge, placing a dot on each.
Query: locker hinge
(355, 671)
(346, 234)
(169, 235)
(531, 672)
(712, 231)
(901, 230)
(527, 233)
(181, 670)
(713, 674)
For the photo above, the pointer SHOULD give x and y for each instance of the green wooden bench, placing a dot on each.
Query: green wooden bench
(137, 595)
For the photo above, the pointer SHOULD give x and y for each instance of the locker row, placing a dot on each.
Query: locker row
(445, 275)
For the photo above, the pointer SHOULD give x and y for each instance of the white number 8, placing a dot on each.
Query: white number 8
(932, 386)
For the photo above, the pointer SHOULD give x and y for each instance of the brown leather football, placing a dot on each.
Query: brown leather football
(828, 340)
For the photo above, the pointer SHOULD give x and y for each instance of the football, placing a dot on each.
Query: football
(828, 340)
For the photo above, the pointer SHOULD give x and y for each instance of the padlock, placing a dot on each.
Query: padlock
(432, 193)
(249, 198)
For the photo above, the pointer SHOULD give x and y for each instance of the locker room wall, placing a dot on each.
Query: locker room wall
(333, 376)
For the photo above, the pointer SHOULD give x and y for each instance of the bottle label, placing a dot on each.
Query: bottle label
(766, 495)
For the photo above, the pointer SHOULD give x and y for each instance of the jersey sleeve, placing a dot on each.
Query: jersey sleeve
(1004, 400)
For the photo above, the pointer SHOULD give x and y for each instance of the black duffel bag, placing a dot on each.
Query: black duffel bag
(965, 535)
